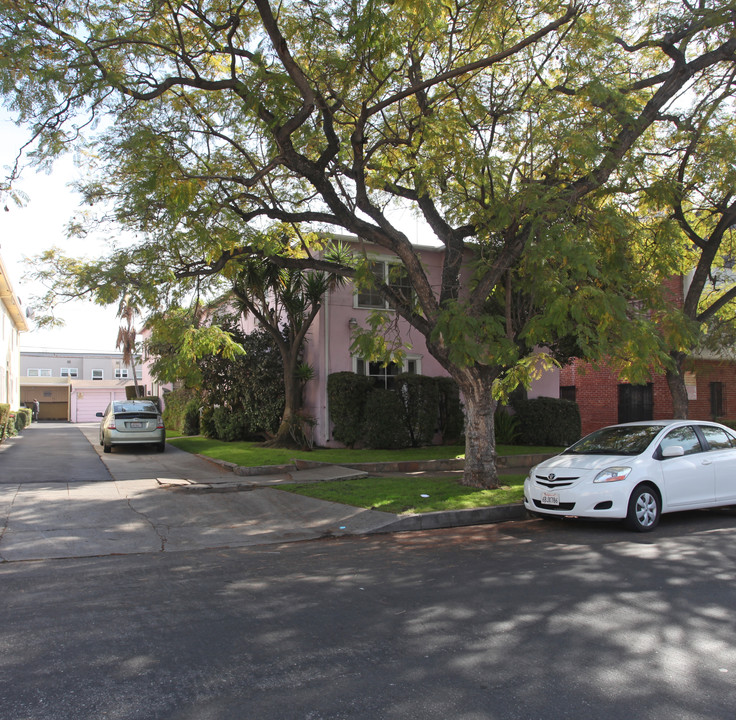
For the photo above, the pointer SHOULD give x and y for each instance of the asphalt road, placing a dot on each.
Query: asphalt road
(519, 620)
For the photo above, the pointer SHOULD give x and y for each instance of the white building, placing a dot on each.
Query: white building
(12, 323)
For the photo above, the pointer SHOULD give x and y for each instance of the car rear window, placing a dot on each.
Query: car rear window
(136, 407)
(616, 440)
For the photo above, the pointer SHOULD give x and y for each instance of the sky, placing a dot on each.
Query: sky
(37, 226)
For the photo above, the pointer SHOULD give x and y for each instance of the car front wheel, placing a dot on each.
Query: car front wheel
(644, 509)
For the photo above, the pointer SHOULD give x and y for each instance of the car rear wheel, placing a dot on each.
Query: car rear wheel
(107, 447)
(644, 509)
(161, 446)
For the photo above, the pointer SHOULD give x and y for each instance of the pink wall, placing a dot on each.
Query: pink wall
(328, 349)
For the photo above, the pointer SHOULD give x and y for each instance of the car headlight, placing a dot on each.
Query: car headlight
(612, 474)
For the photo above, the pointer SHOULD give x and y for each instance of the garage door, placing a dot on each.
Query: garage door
(90, 402)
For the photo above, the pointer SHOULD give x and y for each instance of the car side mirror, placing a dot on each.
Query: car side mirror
(100, 415)
(673, 451)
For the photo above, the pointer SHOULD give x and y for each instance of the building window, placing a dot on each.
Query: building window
(568, 392)
(383, 375)
(70, 372)
(39, 372)
(121, 373)
(716, 400)
(385, 273)
(635, 402)
(97, 374)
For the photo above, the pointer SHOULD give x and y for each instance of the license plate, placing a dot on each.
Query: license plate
(136, 424)
(550, 498)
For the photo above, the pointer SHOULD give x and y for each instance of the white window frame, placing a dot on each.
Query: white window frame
(39, 372)
(101, 374)
(412, 363)
(70, 372)
(121, 373)
(387, 263)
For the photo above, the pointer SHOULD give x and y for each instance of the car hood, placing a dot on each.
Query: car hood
(582, 462)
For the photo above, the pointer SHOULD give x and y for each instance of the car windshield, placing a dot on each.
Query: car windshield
(135, 407)
(617, 440)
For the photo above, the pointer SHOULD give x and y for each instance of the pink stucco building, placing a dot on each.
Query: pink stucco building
(329, 340)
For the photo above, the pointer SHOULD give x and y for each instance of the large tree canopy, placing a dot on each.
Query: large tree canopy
(507, 126)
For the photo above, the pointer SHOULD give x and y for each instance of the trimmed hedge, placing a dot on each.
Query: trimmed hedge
(347, 393)
(383, 427)
(419, 398)
(421, 407)
(4, 417)
(176, 403)
(547, 421)
(23, 418)
(451, 415)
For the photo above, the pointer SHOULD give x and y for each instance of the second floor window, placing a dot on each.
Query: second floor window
(385, 273)
(39, 372)
(97, 374)
(121, 372)
(70, 372)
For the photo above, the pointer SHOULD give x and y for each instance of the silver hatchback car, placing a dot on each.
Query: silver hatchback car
(132, 422)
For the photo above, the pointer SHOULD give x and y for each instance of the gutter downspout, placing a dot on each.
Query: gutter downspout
(325, 432)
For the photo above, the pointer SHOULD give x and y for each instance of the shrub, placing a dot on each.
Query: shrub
(451, 416)
(229, 425)
(384, 428)
(21, 420)
(206, 422)
(11, 429)
(347, 393)
(548, 421)
(176, 403)
(4, 415)
(250, 387)
(27, 415)
(506, 427)
(190, 425)
(419, 399)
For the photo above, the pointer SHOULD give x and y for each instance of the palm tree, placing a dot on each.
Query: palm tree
(285, 303)
(126, 337)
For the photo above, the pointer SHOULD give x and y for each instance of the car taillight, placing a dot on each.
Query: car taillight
(111, 425)
(159, 423)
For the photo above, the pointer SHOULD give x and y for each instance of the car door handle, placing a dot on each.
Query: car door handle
(707, 462)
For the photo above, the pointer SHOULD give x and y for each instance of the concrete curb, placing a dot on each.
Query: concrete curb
(505, 462)
(452, 518)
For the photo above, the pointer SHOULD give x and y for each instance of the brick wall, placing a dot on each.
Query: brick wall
(596, 392)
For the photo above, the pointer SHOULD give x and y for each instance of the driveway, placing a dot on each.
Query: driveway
(60, 498)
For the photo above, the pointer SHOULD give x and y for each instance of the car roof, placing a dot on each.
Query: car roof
(667, 423)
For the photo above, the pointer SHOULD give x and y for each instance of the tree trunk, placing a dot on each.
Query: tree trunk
(678, 390)
(289, 426)
(480, 441)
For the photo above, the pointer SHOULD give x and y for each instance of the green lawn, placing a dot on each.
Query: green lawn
(250, 454)
(394, 495)
(407, 495)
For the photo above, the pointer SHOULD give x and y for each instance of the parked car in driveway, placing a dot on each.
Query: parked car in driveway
(637, 471)
(132, 422)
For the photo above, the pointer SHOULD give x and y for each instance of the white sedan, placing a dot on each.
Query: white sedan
(636, 472)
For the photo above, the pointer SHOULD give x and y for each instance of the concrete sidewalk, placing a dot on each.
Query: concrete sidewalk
(60, 497)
